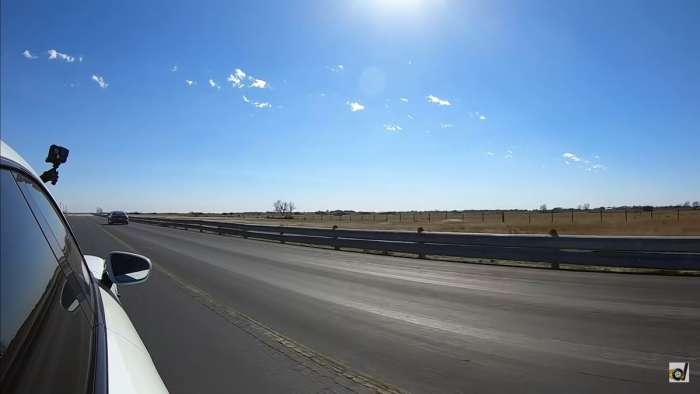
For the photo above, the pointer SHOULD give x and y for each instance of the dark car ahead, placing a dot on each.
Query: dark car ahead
(117, 217)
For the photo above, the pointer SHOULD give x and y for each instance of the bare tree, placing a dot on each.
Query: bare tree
(586, 206)
(279, 206)
(686, 204)
(543, 207)
(696, 204)
(284, 207)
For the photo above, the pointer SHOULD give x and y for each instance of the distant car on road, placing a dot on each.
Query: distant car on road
(62, 327)
(116, 217)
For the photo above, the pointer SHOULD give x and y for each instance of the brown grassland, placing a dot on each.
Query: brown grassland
(670, 221)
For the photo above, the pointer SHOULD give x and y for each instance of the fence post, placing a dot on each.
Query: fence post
(652, 213)
(400, 217)
(572, 216)
(428, 217)
(552, 216)
(678, 214)
(503, 216)
(483, 218)
(529, 217)
(625, 215)
(601, 215)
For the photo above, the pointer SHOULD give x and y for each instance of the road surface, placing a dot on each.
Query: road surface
(225, 314)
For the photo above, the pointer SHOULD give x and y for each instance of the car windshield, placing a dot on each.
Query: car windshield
(377, 195)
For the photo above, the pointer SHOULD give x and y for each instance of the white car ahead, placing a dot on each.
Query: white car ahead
(62, 328)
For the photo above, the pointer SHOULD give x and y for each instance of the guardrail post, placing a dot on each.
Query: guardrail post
(555, 266)
(201, 228)
(281, 236)
(421, 255)
(335, 239)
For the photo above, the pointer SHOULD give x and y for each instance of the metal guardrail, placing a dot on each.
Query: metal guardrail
(673, 253)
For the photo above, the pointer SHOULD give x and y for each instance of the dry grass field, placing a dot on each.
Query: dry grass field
(670, 221)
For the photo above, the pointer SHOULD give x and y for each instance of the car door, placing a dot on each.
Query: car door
(46, 317)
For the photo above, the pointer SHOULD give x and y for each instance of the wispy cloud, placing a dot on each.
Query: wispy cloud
(56, 55)
(213, 84)
(582, 162)
(28, 54)
(437, 100)
(337, 68)
(190, 82)
(392, 127)
(237, 78)
(508, 155)
(258, 83)
(403, 99)
(355, 106)
(409, 116)
(446, 125)
(100, 81)
(256, 104)
(489, 153)
(477, 115)
(570, 157)
(80, 59)
(174, 68)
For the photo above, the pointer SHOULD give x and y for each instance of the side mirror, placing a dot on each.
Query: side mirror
(124, 268)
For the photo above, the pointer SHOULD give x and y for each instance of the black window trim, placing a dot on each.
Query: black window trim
(98, 360)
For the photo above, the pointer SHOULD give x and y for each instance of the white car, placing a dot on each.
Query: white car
(62, 328)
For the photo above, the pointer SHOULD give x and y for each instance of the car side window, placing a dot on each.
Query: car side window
(63, 244)
(45, 340)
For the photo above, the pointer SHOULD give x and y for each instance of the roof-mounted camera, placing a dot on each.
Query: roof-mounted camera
(57, 155)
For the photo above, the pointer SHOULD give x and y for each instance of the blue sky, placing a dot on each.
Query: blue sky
(505, 104)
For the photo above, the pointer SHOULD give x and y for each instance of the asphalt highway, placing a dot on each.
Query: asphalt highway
(225, 314)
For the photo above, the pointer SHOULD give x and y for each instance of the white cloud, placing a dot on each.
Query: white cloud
(405, 100)
(597, 167)
(337, 68)
(446, 125)
(489, 153)
(100, 81)
(392, 127)
(245, 99)
(237, 78)
(54, 54)
(28, 54)
(80, 59)
(437, 100)
(213, 84)
(262, 105)
(409, 116)
(174, 68)
(482, 117)
(190, 82)
(355, 106)
(568, 156)
(258, 83)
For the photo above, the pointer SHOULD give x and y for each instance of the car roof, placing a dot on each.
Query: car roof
(6, 152)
